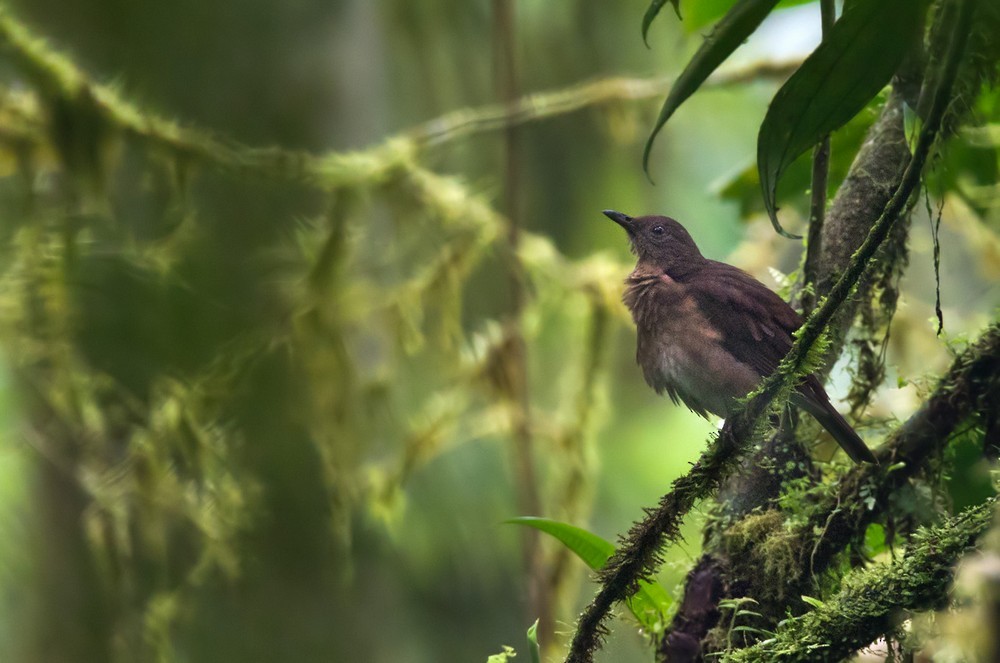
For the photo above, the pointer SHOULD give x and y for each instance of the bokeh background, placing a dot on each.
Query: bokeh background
(252, 416)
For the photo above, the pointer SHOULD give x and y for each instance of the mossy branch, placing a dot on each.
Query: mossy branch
(638, 553)
(839, 518)
(63, 82)
(971, 386)
(867, 604)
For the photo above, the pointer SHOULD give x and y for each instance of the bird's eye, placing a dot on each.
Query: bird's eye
(658, 230)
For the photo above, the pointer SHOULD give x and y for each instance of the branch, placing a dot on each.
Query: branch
(546, 105)
(59, 78)
(867, 603)
(637, 556)
(971, 386)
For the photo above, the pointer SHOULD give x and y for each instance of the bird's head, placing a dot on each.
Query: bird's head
(658, 240)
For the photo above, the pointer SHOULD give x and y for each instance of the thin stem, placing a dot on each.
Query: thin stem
(820, 176)
(525, 473)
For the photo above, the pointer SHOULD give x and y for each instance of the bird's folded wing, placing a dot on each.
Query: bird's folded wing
(754, 324)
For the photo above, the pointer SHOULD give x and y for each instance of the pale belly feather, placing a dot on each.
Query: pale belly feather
(702, 375)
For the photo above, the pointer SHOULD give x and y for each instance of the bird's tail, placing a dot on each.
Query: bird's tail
(822, 410)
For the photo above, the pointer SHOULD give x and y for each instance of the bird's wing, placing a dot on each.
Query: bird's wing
(755, 324)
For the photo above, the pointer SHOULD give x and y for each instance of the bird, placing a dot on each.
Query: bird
(707, 333)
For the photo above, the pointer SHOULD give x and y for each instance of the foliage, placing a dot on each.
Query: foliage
(856, 58)
(851, 65)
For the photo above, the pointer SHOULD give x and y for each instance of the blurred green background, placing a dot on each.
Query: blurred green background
(251, 418)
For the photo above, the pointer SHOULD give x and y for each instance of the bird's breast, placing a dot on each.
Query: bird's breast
(681, 353)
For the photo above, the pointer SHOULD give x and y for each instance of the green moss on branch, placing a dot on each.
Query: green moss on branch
(869, 600)
(970, 387)
(72, 91)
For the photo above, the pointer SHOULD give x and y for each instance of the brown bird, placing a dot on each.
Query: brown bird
(708, 333)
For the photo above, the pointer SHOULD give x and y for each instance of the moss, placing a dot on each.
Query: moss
(869, 600)
(767, 550)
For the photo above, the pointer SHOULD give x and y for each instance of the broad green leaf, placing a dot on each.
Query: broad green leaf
(851, 65)
(743, 186)
(725, 38)
(654, 8)
(533, 649)
(592, 549)
(648, 604)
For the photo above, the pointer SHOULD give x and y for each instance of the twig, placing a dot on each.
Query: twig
(817, 203)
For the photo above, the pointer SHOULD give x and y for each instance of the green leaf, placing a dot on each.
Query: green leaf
(875, 540)
(751, 629)
(813, 601)
(648, 604)
(704, 12)
(726, 37)
(743, 186)
(651, 12)
(912, 126)
(852, 64)
(744, 613)
(533, 649)
(592, 549)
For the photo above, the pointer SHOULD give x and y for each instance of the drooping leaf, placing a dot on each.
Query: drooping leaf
(743, 185)
(592, 549)
(648, 604)
(725, 38)
(700, 13)
(852, 64)
(651, 12)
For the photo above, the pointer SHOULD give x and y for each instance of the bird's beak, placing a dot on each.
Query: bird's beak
(624, 220)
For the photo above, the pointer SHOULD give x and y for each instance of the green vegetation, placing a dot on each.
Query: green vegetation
(300, 303)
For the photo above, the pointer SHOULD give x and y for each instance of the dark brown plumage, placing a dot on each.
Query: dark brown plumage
(707, 332)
